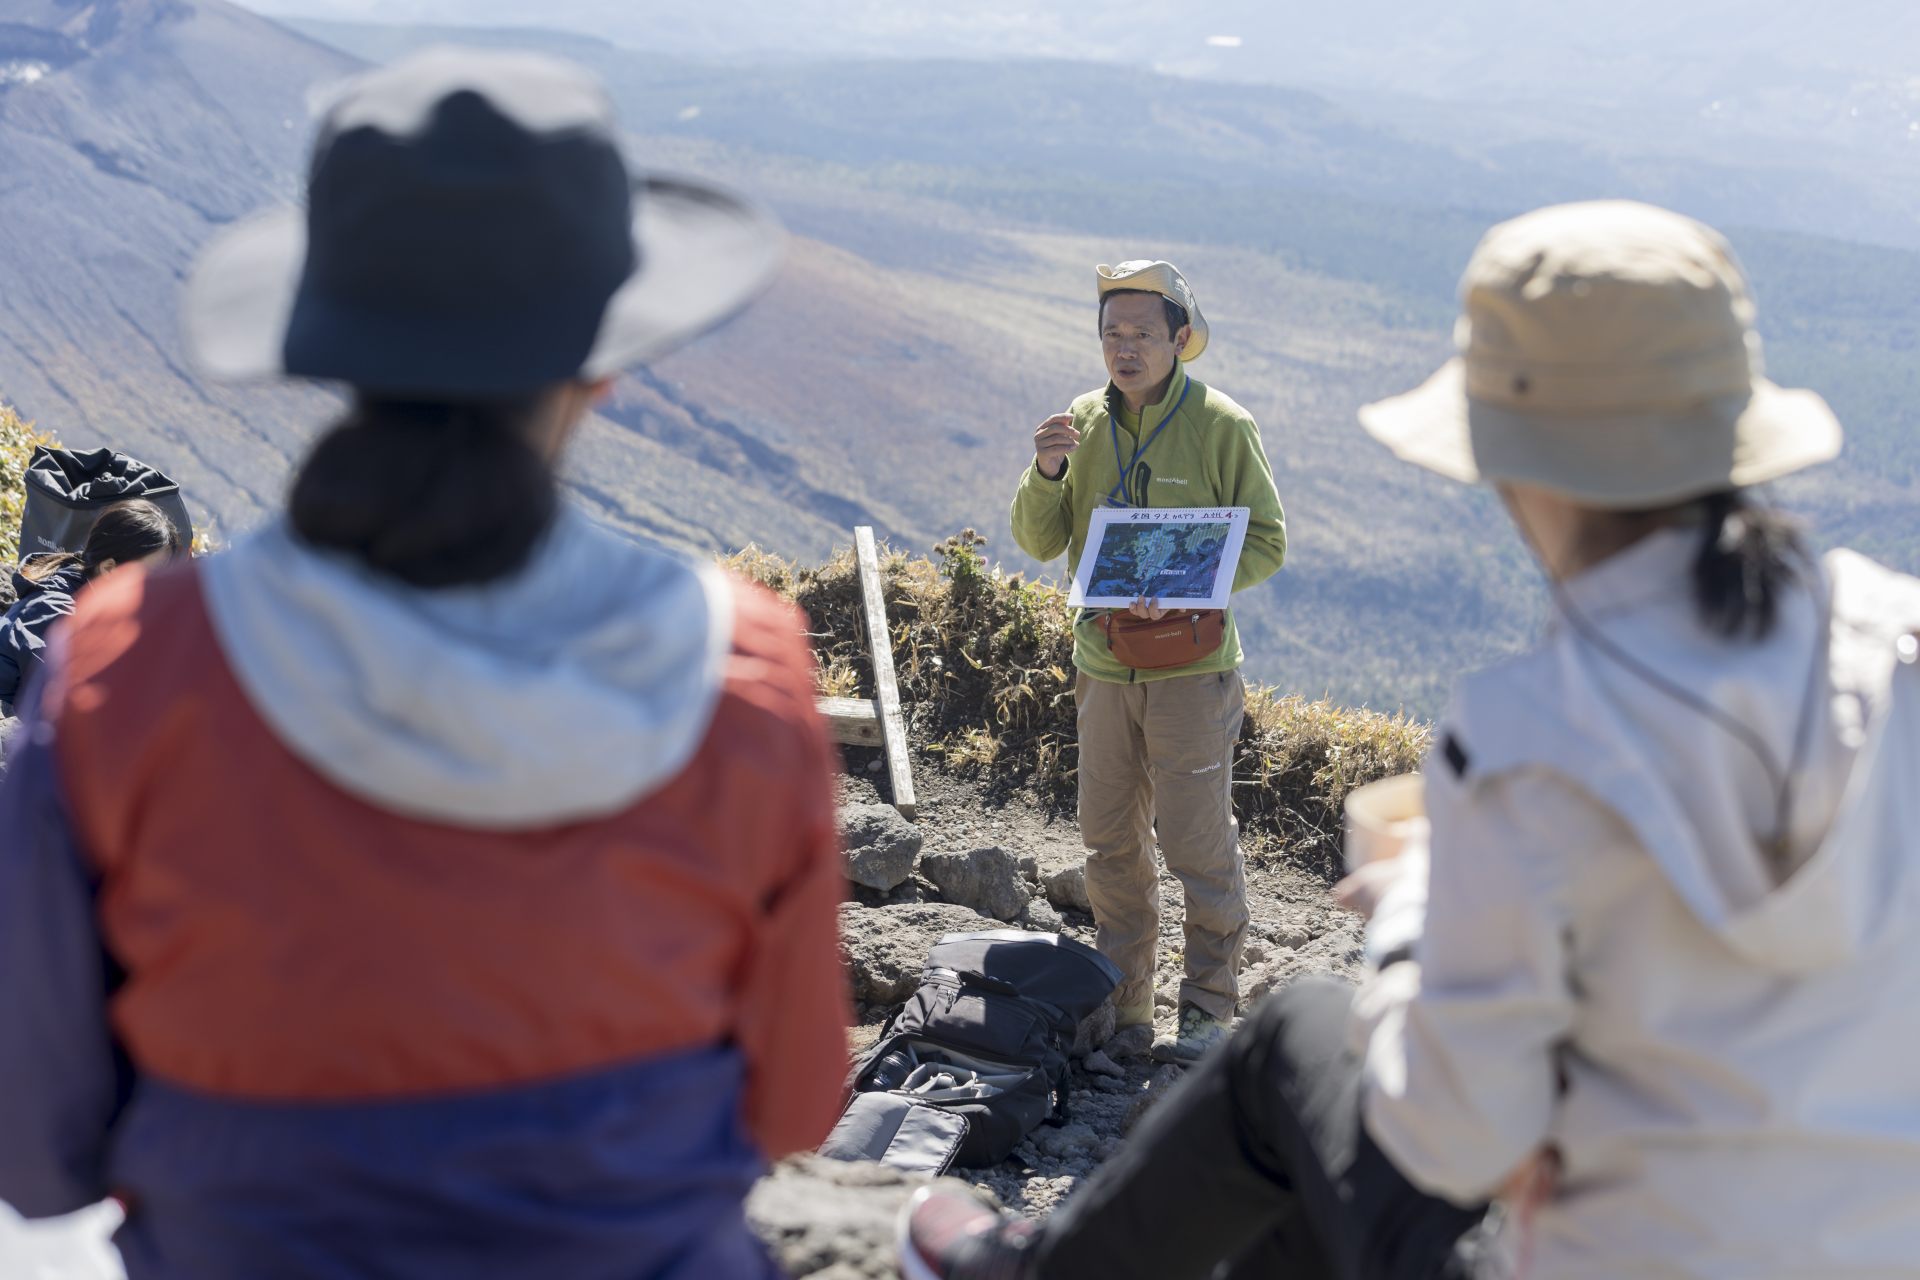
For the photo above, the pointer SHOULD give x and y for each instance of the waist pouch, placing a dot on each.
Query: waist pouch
(1184, 636)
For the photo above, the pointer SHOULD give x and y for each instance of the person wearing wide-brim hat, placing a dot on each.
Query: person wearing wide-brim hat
(1156, 731)
(1651, 978)
(436, 883)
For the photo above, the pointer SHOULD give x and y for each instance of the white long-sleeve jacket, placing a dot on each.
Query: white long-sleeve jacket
(1722, 1043)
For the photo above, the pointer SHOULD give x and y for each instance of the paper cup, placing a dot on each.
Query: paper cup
(1384, 818)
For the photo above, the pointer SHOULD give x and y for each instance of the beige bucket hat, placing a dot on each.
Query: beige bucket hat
(1164, 279)
(1607, 352)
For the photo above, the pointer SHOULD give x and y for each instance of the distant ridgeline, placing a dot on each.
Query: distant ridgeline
(985, 662)
(29, 51)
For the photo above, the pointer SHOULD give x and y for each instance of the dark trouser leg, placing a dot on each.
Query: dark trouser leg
(1256, 1157)
(1289, 1252)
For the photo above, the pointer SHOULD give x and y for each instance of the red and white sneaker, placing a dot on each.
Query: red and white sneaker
(948, 1233)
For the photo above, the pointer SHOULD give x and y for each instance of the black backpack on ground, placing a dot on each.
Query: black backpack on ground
(66, 491)
(984, 1040)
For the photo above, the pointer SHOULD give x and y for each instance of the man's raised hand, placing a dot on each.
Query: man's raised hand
(1053, 440)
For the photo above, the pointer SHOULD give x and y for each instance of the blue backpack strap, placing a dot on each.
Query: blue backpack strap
(1117, 496)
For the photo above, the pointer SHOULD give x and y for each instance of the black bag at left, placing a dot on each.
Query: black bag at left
(66, 491)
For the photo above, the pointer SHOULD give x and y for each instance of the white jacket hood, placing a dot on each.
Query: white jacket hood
(1609, 958)
(1696, 796)
(566, 692)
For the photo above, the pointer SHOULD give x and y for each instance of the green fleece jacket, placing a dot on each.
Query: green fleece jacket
(1208, 456)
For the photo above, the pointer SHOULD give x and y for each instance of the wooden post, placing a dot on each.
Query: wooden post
(886, 690)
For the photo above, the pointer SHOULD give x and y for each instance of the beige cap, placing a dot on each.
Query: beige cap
(1607, 352)
(1164, 279)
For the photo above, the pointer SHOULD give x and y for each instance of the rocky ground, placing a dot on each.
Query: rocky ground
(968, 863)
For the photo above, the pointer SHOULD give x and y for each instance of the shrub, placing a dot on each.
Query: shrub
(17, 440)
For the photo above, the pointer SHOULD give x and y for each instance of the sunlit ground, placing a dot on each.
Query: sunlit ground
(70, 1248)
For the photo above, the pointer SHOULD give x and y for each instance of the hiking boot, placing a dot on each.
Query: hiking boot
(948, 1233)
(1198, 1033)
(1139, 1014)
(1132, 1033)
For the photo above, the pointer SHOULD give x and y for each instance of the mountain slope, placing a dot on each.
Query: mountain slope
(936, 303)
(131, 131)
(166, 121)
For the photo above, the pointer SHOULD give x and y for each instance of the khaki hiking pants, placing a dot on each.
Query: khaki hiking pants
(1158, 757)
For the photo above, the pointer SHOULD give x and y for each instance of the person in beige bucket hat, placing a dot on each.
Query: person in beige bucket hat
(1649, 975)
(1607, 353)
(1156, 739)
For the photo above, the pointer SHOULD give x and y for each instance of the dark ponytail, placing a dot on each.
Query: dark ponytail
(123, 533)
(1749, 554)
(434, 493)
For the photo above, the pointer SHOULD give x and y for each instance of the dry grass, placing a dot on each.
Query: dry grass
(1299, 759)
(17, 440)
(985, 661)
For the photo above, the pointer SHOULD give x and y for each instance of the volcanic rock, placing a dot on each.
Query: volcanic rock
(988, 880)
(885, 947)
(880, 845)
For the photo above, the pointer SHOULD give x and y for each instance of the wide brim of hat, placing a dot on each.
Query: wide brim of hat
(1620, 461)
(705, 253)
(1197, 340)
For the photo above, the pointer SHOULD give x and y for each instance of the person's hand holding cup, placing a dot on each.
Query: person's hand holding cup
(1384, 820)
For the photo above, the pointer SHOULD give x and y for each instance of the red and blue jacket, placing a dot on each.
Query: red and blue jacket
(301, 1035)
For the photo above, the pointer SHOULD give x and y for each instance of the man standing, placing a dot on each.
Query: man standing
(1156, 746)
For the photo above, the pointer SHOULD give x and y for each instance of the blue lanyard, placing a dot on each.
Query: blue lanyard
(1117, 496)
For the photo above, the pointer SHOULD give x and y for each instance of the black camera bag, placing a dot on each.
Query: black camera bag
(1000, 1005)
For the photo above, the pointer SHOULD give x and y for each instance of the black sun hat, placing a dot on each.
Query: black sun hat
(472, 228)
